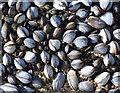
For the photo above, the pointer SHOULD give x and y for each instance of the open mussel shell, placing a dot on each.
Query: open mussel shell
(72, 79)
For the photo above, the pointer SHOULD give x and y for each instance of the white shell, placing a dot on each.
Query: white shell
(60, 4)
(105, 4)
(45, 57)
(108, 60)
(72, 79)
(58, 81)
(116, 34)
(9, 47)
(105, 34)
(22, 32)
(9, 87)
(108, 18)
(103, 78)
(24, 77)
(48, 71)
(81, 42)
(19, 63)
(30, 57)
(54, 44)
(87, 71)
(7, 59)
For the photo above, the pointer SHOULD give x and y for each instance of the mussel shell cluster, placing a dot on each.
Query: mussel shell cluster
(47, 46)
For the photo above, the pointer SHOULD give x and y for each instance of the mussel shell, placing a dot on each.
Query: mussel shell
(55, 21)
(86, 86)
(81, 42)
(9, 47)
(19, 63)
(87, 71)
(69, 36)
(76, 64)
(9, 87)
(102, 78)
(54, 44)
(24, 77)
(48, 71)
(72, 79)
(58, 81)
(29, 42)
(30, 57)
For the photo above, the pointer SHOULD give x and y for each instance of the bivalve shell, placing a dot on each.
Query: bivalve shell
(83, 27)
(86, 2)
(108, 60)
(108, 18)
(9, 87)
(74, 5)
(105, 35)
(22, 32)
(48, 71)
(105, 4)
(60, 4)
(55, 21)
(20, 18)
(32, 13)
(7, 60)
(38, 35)
(29, 42)
(74, 54)
(30, 57)
(114, 47)
(95, 22)
(86, 86)
(72, 79)
(82, 13)
(81, 42)
(101, 48)
(102, 78)
(19, 63)
(87, 71)
(11, 79)
(9, 47)
(22, 6)
(58, 81)
(54, 44)
(24, 77)
(69, 36)
(76, 64)
(45, 57)
(54, 61)
(116, 34)
(40, 3)
(116, 79)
